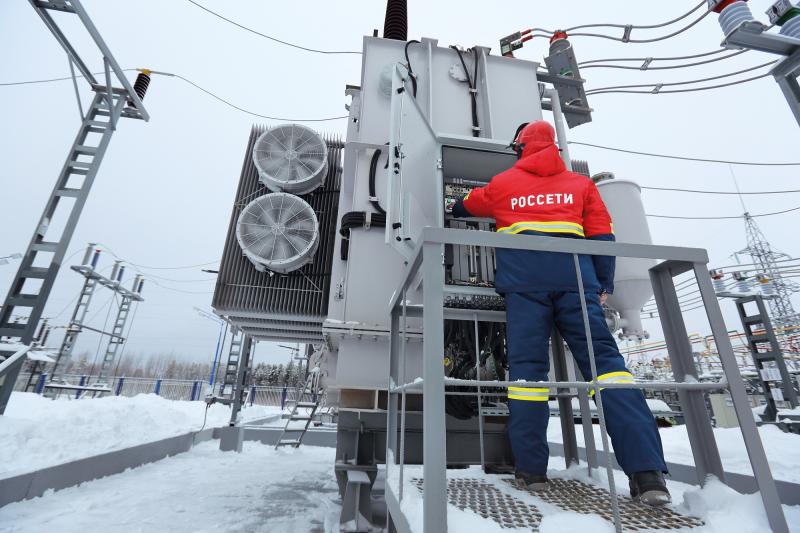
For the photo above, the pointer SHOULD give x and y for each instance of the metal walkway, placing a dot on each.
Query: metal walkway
(484, 498)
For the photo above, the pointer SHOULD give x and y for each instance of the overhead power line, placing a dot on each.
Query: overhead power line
(642, 59)
(684, 158)
(639, 27)
(696, 191)
(251, 30)
(253, 113)
(728, 217)
(675, 91)
(196, 86)
(645, 66)
(657, 86)
(628, 28)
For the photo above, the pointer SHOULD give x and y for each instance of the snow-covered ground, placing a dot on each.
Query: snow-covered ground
(783, 449)
(203, 490)
(36, 432)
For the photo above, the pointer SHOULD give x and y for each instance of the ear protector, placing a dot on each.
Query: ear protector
(514, 145)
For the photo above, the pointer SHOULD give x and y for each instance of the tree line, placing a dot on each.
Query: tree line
(167, 366)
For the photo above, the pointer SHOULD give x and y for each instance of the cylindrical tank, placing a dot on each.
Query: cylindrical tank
(632, 288)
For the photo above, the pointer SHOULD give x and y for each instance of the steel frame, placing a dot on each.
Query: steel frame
(42, 260)
(753, 35)
(428, 260)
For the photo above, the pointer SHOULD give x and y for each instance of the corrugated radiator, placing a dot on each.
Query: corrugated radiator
(278, 307)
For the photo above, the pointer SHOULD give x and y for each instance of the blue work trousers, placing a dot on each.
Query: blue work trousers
(530, 320)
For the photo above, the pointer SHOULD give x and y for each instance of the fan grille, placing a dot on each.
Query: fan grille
(278, 232)
(291, 158)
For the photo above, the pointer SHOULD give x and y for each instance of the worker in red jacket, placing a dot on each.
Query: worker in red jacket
(539, 196)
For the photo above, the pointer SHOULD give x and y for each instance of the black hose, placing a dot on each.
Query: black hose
(357, 219)
(411, 70)
(472, 89)
(373, 169)
(395, 25)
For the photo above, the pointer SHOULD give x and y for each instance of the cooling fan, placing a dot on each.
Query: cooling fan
(291, 158)
(278, 232)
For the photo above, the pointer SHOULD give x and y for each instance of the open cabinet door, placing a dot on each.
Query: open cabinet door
(414, 183)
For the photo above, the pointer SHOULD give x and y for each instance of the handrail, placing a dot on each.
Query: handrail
(8, 364)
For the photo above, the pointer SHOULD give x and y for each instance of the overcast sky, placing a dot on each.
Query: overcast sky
(164, 192)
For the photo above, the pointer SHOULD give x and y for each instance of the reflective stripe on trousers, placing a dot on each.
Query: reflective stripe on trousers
(528, 394)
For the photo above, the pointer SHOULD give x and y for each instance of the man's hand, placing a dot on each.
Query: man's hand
(449, 203)
(603, 297)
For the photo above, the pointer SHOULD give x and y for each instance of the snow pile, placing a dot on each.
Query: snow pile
(783, 449)
(36, 432)
(203, 490)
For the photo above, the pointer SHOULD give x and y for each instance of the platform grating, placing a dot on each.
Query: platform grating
(489, 502)
(579, 497)
(486, 500)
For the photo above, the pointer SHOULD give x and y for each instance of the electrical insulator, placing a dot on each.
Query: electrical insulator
(88, 255)
(766, 284)
(95, 259)
(732, 15)
(141, 84)
(717, 279)
(742, 283)
(782, 13)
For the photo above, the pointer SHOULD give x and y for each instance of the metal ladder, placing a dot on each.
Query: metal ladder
(117, 339)
(309, 391)
(775, 380)
(75, 323)
(75, 180)
(233, 387)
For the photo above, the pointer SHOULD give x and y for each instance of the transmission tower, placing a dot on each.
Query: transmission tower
(784, 317)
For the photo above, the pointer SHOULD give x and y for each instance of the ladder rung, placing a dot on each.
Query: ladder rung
(764, 356)
(97, 124)
(306, 404)
(88, 150)
(12, 330)
(55, 6)
(288, 442)
(73, 193)
(35, 272)
(23, 300)
(758, 338)
(44, 247)
(78, 171)
(755, 319)
(80, 165)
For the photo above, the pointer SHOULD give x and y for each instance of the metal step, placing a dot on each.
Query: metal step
(306, 404)
(288, 443)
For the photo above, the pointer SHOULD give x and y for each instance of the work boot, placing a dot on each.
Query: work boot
(650, 488)
(531, 481)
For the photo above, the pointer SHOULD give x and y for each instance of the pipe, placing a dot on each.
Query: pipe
(558, 119)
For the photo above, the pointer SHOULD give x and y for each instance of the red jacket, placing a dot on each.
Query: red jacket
(538, 195)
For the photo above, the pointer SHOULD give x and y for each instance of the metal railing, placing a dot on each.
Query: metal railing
(171, 389)
(427, 266)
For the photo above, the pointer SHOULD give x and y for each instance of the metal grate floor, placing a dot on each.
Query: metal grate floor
(488, 501)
